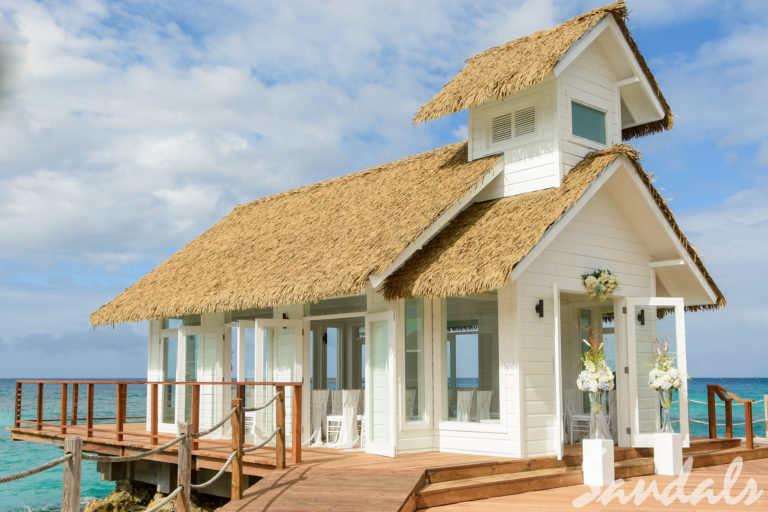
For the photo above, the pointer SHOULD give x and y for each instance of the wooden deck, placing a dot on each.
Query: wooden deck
(563, 498)
(209, 455)
(348, 481)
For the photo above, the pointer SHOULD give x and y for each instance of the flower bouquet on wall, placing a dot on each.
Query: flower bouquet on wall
(596, 379)
(665, 378)
(601, 285)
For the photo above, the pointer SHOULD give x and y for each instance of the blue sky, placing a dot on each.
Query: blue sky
(128, 128)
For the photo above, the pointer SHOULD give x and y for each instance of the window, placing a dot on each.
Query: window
(588, 122)
(471, 359)
(414, 359)
(519, 124)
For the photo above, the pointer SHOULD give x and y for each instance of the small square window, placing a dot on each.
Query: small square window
(588, 122)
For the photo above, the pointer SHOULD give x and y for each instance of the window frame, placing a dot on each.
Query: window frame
(587, 105)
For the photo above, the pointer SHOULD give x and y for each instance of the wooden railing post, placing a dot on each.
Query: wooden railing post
(40, 390)
(70, 501)
(75, 397)
(17, 411)
(711, 411)
(195, 412)
(153, 414)
(280, 423)
(63, 418)
(89, 410)
(748, 424)
(119, 416)
(241, 396)
(237, 445)
(765, 412)
(296, 426)
(729, 418)
(184, 474)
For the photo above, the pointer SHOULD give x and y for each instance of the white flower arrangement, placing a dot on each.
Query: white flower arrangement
(663, 375)
(596, 376)
(600, 284)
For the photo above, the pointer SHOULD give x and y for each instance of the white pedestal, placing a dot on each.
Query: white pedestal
(667, 454)
(597, 461)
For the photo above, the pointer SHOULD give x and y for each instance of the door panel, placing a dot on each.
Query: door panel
(380, 395)
(649, 320)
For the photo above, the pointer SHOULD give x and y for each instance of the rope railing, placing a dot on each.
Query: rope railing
(263, 406)
(263, 443)
(217, 475)
(36, 470)
(187, 439)
(138, 456)
(166, 499)
(216, 426)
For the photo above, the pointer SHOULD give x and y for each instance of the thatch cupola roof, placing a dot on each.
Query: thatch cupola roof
(481, 247)
(504, 70)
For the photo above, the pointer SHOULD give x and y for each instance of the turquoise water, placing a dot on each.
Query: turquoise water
(42, 492)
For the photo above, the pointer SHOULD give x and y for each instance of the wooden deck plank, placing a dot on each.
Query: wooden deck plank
(562, 498)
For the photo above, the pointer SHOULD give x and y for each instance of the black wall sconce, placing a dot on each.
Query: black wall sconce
(540, 308)
(641, 317)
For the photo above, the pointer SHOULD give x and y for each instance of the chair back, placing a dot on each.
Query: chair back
(484, 404)
(464, 401)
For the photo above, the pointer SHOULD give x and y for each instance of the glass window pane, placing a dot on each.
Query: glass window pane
(169, 375)
(588, 122)
(414, 359)
(472, 358)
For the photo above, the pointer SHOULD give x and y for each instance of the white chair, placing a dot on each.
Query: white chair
(578, 422)
(334, 418)
(464, 400)
(319, 408)
(343, 429)
(484, 405)
(410, 401)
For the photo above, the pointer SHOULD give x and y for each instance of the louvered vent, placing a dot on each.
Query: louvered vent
(501, 128)
(525, 121)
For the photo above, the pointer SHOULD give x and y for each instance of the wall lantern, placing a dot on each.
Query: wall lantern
(540, 308)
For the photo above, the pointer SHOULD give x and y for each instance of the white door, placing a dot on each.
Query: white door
(380, 383)
(278, 359)
(649, 319)
(201, 360)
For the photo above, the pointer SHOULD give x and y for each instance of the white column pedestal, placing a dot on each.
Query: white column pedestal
(597, 462)
(667, 454)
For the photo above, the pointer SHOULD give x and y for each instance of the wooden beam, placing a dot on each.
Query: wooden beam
(17, 411)
(195, 413)
(70, 501)
(63, 418)
(40, 391)
(75, 398)
(89, 411)
(280, 423)
(667, 263)
(154, 414)
(120, 419)
(184, 474)
(236, 492)
(296, 430)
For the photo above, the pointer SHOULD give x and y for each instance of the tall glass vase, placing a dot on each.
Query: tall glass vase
(665, 400)
(598, 423)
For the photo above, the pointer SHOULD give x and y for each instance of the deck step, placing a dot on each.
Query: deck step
(487, 480)
(467, 489)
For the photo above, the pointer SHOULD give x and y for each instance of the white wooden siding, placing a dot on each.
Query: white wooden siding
(600, 236)
(530, 161)
(589, 80)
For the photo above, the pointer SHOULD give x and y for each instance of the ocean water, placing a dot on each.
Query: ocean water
(42, 492)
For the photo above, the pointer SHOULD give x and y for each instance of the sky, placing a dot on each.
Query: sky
(128, 128)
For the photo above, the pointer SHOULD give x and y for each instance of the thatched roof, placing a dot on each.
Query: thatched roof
(479, 249)
(306, 244)
(503, 70)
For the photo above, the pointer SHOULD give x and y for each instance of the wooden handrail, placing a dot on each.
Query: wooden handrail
(728, 397)
(65, 423)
